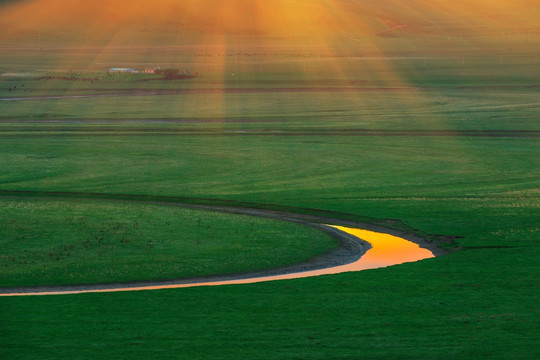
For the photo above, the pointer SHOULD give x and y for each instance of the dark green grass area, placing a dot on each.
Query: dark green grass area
(54, 242)
(479, 302)
(462, 306)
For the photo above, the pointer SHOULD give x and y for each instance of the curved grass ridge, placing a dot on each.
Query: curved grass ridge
(69, 241)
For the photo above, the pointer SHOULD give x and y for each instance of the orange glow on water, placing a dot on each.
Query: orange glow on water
(386, 250)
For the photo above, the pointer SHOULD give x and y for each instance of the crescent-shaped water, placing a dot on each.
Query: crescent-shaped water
(386, 250)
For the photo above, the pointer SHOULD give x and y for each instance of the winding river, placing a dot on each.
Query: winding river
(386, 250)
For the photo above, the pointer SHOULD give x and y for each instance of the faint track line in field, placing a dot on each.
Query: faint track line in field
(345, 88)
(81, 132)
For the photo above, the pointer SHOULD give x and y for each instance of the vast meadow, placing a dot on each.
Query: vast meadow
(433, 133)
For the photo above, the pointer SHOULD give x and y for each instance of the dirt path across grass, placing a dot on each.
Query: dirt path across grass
(351, 249)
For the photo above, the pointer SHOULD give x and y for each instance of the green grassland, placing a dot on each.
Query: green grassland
(455, 109)
(477, 302)
(47, 242)
(289, 149)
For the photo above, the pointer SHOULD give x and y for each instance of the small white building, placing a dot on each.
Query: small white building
(123, 70)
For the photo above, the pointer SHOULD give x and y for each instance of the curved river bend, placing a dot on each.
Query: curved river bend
(386, 250)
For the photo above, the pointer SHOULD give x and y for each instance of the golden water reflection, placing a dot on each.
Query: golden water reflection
(386, 250)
